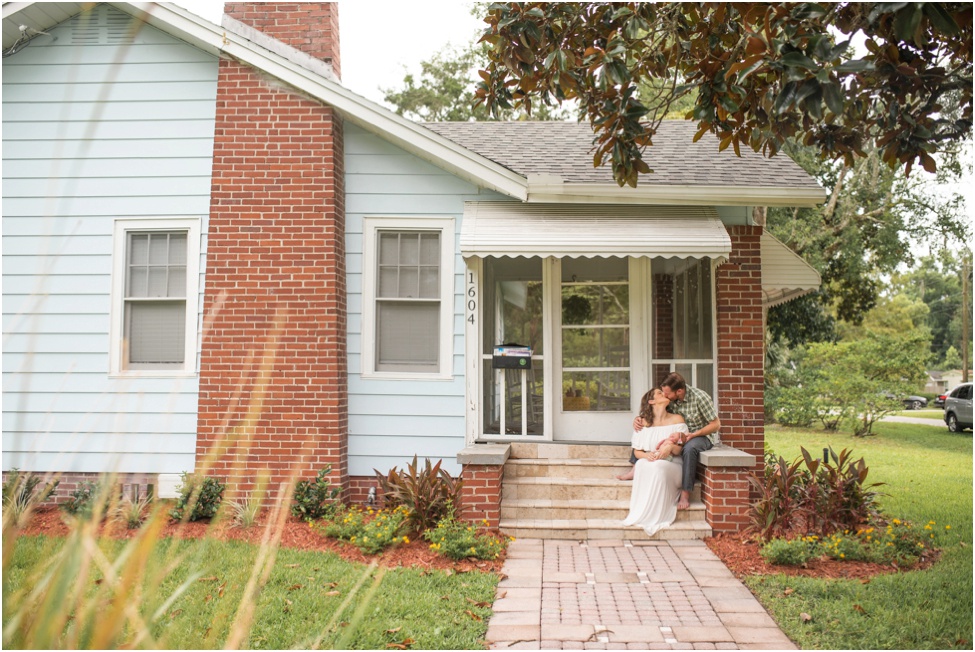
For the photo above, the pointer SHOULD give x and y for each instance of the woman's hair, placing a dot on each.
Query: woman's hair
(646, 412)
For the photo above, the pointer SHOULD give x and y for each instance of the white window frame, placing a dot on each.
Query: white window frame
(117, 363)
(371, 226)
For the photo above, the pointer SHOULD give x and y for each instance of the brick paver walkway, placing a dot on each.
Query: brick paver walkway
(615, 595)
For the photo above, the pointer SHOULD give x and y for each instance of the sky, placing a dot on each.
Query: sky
(380, 41)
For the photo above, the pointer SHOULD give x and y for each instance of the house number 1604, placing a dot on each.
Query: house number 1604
(471, 297)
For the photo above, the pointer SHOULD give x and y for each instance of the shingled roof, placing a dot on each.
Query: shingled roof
(564, 149)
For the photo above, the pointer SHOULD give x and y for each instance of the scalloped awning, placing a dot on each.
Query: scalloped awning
(785, 276)
(592, 231)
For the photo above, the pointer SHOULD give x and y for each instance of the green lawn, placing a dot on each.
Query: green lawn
(310, 599)
(937, 414)
(928, 476)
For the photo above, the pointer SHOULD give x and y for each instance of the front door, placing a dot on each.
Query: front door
(593, 307)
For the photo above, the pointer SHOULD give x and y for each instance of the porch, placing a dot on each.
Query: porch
(557, 491)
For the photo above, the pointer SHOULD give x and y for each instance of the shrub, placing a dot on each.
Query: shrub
(790, 552)
(20, 497)
(82, 500)
(199, 498)
(819, 499)
(426, 493)
(371, 531)
(314, 500)
(793, 407)
(457, 540)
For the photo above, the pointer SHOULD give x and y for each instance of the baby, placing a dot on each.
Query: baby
(666, 448)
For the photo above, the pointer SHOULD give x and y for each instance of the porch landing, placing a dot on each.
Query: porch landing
(570, 491)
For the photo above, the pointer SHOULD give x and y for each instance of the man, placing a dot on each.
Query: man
(697, 408)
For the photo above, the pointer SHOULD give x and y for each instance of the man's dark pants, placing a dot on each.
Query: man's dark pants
(689, 459)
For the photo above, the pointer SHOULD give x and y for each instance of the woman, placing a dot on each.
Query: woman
(656, 475)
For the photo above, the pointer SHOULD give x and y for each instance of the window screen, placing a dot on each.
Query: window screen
(408, 301)
(155, 299)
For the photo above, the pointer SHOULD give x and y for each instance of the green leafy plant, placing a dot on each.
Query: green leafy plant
(792, 407)
(82, 501)
(426, 493)
(199, 498)
(370, 530)
(315, 499)
(790, 552)
(773, 514)
(458, 540)
(819, 499)
(20, 495)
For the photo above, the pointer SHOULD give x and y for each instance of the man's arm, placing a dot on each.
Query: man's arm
(713, 426)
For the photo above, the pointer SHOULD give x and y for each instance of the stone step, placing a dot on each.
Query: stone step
(590, 529)
(566, 468)
(570, 451)
(564, 488)
(556, 510)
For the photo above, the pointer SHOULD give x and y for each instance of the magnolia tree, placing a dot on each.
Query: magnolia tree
(760, 74)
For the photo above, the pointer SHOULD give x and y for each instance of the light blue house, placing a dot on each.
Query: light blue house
(218, 259)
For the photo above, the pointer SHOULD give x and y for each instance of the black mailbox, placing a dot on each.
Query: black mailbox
(512, 356)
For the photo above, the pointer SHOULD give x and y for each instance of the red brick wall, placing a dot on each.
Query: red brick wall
(312, 27)
(70, 482)
(273, 363)
(481, 493)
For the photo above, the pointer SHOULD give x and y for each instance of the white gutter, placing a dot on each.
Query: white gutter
(545, 189)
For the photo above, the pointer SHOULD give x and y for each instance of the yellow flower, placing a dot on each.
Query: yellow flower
(406, 539)
(897, 521)
(947, 527)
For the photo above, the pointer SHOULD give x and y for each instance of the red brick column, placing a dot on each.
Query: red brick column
(741, 353)
(741, 361)
(481, 493)
(273, 396)
(726, 498)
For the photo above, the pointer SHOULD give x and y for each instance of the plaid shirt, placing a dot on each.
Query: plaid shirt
(697, 408)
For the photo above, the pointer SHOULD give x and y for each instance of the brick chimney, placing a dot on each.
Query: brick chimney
(312, 27)
(273, 397)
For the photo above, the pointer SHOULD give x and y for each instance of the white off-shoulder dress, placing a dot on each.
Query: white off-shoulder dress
(656, 484)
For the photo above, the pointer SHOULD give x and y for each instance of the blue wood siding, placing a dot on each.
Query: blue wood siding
(391, 420)
(105, 122)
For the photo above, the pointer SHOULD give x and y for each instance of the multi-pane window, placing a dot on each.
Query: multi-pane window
(155, 296)
(408, 301)
(155, 300)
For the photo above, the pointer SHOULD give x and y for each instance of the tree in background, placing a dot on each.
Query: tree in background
(444, 91)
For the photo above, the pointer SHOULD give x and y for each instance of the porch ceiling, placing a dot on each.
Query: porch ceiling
(592, 231)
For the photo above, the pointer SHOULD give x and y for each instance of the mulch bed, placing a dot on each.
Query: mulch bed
(741, 554)
(296, 534)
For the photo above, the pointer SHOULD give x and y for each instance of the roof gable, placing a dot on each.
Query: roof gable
(553, 169)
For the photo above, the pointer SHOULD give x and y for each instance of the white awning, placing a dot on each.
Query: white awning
(785, 276)
(591, 231)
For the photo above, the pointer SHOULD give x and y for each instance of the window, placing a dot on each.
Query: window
(407, 308)
(155, 296)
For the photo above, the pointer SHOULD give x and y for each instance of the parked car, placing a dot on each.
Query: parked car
(914, 402)
(958, 408)
(939, 400)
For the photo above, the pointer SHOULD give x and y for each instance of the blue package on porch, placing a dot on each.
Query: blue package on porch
(512, 356)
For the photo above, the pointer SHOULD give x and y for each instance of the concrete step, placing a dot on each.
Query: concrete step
(588, 529)
(570, 451)
(596, 468)
(534, 509)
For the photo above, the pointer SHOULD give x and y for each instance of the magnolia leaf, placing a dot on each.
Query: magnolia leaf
(804, 617)
(472, 614)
